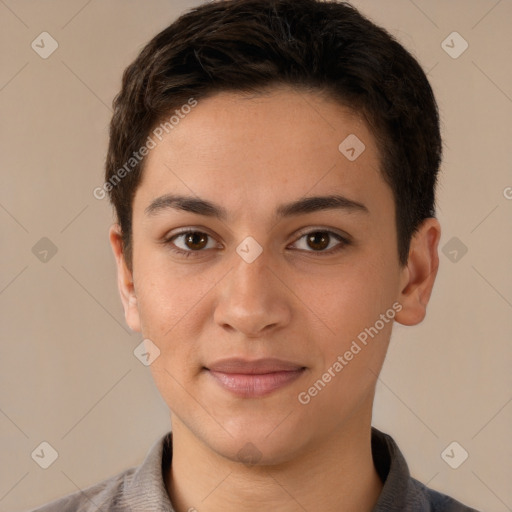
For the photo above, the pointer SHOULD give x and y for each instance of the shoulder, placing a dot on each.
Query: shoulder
(138, 488)
(401, 491)
(435, 501)
(101, 496)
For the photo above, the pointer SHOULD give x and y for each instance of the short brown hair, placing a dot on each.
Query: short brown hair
(251, 45)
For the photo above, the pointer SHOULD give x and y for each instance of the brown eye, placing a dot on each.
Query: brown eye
(318, 240)
(191, 243)
(196, 240)
(323, 242)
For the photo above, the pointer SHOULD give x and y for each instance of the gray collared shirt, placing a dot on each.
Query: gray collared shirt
(142, 488)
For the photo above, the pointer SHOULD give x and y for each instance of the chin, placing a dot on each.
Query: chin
(254, 446)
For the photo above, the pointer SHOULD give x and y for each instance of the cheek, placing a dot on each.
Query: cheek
(349, 298)
(351, 354)
(167, 296)
(173, 317)
(350, 302)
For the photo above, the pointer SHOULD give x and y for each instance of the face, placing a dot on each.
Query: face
(233, 258)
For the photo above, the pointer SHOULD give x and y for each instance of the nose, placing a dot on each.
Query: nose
(251, 300)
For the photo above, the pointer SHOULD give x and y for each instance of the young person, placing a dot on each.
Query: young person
(272, 165)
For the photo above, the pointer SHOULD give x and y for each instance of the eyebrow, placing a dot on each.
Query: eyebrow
(207, 208)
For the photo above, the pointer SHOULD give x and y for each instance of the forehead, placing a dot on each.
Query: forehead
(253, 149)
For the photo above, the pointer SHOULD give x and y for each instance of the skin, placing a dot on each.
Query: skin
(250, 154)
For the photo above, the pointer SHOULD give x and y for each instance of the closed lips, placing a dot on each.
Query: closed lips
(254, 379)
(256, 367)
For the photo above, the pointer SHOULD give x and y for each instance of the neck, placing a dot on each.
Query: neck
(336, 474)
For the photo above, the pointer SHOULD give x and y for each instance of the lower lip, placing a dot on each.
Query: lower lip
(251, 386)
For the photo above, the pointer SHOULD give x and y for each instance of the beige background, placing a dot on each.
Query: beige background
(68, 375)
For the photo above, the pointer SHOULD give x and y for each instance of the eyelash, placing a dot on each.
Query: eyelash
(343, 242)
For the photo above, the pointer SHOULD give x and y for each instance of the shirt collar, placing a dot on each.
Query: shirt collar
(146, 491)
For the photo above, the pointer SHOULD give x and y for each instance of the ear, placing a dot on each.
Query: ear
(419, 274)
(124, 280)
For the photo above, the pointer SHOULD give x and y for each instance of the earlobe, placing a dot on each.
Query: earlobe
(125, 281)
(420, 273)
